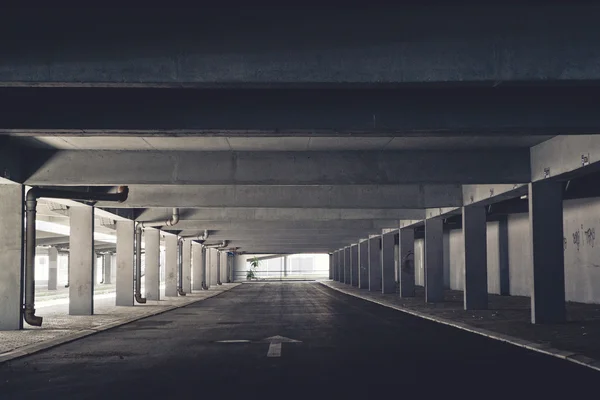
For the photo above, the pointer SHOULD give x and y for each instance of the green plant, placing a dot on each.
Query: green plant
(251, 273)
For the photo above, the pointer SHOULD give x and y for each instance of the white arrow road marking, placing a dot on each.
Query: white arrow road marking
(274, 350)
(275, 344)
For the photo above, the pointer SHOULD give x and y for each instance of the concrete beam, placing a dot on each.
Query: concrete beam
(69, 167)
(489, 194)
(564, 157)
(311, 46)
(197, 215)
(359, 224)
(285, 234)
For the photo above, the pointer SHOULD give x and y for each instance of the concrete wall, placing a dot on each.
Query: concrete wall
(582, 254)
(419, 262)
(519, 255)
(457, 259)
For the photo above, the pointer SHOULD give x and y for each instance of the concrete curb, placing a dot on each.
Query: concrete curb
(45, 345)
(539, 347)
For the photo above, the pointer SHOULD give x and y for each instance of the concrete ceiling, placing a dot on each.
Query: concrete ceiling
(267, 217)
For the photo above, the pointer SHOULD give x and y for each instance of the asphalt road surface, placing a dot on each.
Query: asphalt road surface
(348, 348)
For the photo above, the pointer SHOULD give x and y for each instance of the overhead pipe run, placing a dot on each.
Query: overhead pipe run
(31, 203)
(218, 246)
(170, 222)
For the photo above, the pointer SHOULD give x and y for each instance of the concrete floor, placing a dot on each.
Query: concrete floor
(506, 315)
(350, 348)
(58, 325)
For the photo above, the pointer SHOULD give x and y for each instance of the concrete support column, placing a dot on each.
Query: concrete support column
(125, 262)
(375, 264)
(52, 268)
(347, 266)
(82, 261)
(187, 266)
(475, 250)
(331, 266)
(434, 260)
(546, 224)
(406, 261)
(223, 266)
(341, 265)
(354, 264)
(152, 270)
(503, 256)
(218, 259)
(197, 266)
(170, 265)
(388, 283)
(11, 256)
(334, 265)
(363, 264)
(107, 269)
(212, 256)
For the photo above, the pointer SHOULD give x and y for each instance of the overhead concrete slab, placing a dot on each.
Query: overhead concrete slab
(193, 215)
(269, 144)
(311, 46)
(464, 142)
(409, 196)
(68, 167)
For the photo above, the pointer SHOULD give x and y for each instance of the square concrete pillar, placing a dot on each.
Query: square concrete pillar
(212, 267)
(52, 268)
(82, 261)
(107, 269)
(152, 270)
(475, 250)
(503, 256)
(331, 266)
(347, 266)
(388, 265)
(434, 260)
(187, 266)
(546, 224)
(363, 264)
(354, 264)
(170, 265)
(334, 258)
(198, 266)
(375, 264)
(222, 266)
(11, 255)
(406, 261)
(341, 255)
(125, 262)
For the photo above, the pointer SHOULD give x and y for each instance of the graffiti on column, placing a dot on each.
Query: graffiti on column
(590, 236)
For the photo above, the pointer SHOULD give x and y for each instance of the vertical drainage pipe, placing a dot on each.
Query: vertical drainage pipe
(31, 203)
(138, 265)
(180, 267)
